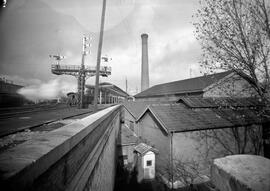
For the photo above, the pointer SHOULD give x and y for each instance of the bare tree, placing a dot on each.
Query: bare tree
(235, 35)
(186, 171)
(230, 141)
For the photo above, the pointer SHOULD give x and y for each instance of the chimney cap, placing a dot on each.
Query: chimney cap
(144, 35)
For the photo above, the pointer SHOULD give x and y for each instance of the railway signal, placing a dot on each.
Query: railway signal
(80, 72)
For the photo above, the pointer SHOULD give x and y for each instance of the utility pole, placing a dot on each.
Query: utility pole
(99, 54)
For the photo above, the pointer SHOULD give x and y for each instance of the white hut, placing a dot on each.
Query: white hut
(145, 161)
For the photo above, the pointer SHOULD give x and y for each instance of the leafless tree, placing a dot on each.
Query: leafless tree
(235, 35)
(185, 171)
(230, 141)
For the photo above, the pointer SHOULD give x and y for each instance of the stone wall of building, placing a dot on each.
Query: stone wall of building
(235, 86)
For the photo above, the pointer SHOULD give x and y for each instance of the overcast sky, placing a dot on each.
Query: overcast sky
(32, 29)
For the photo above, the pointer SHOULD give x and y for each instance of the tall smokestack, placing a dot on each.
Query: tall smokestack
(145, 71)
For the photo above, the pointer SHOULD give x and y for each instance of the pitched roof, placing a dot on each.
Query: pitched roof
(178, 118)
(220, 102)
(183, 86)
(136, 108)
(109, 86)
(143, 148)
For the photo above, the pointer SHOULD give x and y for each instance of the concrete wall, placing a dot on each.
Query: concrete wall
(241, 173)
(78, 156)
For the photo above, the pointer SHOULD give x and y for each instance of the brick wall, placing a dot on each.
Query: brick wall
(190, 146)
(103, 175)
(152, 135)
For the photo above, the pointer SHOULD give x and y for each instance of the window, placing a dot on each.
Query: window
(149, 163)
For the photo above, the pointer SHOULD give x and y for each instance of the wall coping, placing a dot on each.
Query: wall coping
(241, 172)
(32, 158)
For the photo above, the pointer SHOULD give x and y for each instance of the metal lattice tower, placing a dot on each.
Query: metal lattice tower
(80, 72)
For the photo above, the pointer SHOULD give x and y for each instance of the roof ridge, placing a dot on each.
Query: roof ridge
(190, 79)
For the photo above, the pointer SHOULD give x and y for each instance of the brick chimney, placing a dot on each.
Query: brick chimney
(144, 69)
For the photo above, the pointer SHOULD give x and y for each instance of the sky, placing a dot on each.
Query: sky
(31, 30)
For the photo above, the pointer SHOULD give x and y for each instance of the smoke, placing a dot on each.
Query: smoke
(51, 90)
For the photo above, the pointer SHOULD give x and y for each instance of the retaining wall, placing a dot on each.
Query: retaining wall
(78, 156)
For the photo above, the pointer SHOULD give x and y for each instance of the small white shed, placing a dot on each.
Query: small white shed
(145, 161)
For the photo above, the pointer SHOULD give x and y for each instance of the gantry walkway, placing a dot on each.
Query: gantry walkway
(74, 70)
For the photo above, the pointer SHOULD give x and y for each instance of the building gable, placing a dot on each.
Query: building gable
(232, 85)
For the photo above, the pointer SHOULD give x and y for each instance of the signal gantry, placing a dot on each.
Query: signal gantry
(81, 72)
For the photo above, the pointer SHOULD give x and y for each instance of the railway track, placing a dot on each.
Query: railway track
(32, 127)
(12, 112)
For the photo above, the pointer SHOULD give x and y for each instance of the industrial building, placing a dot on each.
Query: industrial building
(108, 93)
(174, 129)
(222, 84)
(170, 117)
(8, 94)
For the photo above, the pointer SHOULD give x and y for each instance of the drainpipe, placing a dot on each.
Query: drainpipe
(171, 158)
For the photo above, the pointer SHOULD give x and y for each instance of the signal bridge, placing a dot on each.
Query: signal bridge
(74, 70)
(80, 72)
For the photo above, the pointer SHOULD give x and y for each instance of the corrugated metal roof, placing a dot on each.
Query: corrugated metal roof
(197, 102)
(183, 86)
(178, 118)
